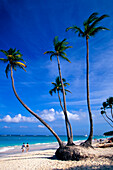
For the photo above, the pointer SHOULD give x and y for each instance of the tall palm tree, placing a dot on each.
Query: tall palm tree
(90, 29)
(58, 88)
(59, 48)
(14, 59)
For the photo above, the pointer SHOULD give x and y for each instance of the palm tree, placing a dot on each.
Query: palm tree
(58, 88)
(90, 29)
(59, 48)
(14, 59)
(106, 105)
(110, 104)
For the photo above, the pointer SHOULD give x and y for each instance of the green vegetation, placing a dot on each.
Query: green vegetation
(58, 88)
(14, 60)
(59, 48)
(108, 105)
(90, 29)
(110, 133)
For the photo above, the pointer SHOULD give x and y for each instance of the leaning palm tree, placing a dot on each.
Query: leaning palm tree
(110, 104)
(58, 88)
(106, 105)
(14, 59)
(90, 29)
(59, 48)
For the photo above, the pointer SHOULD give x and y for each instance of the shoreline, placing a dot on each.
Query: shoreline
(10, 150)
(35, 147)
(44, 159)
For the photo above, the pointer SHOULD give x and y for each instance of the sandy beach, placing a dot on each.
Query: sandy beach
(42, 157)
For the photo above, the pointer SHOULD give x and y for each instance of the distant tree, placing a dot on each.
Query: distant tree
(58, 88)
(106, 105)
(110, 105)
(59, 48)
(90, 29)
(14, 59)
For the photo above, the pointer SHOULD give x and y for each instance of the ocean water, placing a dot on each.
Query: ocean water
(14, 140)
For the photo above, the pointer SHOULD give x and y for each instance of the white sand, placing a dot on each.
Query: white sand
(45, 160)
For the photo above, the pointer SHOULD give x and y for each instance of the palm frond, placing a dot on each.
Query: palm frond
(18, 59)
(64, 80)
(49, 52)
(50, 92)
(67, 29)
(92, 18)
(15, 66)
(68, 91)
(102, 112)
(96, 30)
(55, 41)
(20, 66)
(19, 63)
(4, 60)
(52, 56)
(65, 58)
(65, 84)
(76, 30)
(5, 52)
(97, 21)
(53, 83)
(7, 70)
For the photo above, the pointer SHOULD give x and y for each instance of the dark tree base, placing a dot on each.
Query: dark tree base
(73, 153)
(86, 144)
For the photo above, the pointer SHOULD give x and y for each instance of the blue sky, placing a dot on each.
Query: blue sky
(31, 26)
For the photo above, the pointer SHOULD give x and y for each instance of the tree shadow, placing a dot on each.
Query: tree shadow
(97, 167)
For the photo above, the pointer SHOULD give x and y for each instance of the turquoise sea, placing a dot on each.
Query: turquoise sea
(12, 140)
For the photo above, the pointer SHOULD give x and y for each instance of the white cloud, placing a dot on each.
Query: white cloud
(70, 115)
(23, 127)
(41, 126)
(48, 115)
(18, 118)
(6, 127)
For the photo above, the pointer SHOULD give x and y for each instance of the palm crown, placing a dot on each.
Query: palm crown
(14, 59)
(58, 86)
(90, 26)
(60, 47)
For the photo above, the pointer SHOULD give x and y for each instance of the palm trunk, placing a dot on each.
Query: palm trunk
(71, 133)
(60, 101)
(70, 138)
(34, 114)
(89, 140)
(108, 117)
(111, 112)
(107, 121)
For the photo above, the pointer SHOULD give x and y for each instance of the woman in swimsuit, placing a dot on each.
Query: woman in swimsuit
(27, 147)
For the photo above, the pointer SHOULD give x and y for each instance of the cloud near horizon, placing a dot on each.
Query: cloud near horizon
(41, 126)
(48, 115)
(6, 127)
(18, 118)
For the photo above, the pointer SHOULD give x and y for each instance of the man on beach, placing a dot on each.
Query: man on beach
(23, 147)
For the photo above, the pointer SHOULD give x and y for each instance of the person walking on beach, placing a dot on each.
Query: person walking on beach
(27, 147)
(23, 147)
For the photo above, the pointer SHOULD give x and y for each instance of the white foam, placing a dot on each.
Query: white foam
(6, 149)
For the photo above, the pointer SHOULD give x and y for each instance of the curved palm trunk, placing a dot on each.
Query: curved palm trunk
(34, 114)
(89, 140)
(111, 112)
(108, 117)
(107, 121)
(70, 138)
(71, 133)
